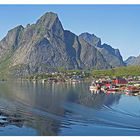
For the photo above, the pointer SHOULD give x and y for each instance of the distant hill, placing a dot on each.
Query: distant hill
(137, 60)
(132, 60)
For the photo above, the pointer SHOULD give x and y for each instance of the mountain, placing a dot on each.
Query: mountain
(111, 55)
(132, 60)
(11, 42)
(137, 60)
(91, 39)
(46, 46)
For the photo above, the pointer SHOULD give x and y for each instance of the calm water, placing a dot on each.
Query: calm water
(65, 109)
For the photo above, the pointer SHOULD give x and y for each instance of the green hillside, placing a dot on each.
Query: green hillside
(118, 72)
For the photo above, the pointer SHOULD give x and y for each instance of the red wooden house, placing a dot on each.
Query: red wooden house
(120, 81)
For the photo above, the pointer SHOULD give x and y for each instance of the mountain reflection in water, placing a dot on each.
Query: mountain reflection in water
(66, 109)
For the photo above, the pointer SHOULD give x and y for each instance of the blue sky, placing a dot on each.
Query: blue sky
(116, 25)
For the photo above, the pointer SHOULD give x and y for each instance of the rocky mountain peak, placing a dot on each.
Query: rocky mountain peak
(50, 21)
(112, 56)
(48, 18)
(12, 38)
(17, 28)
(91, 38)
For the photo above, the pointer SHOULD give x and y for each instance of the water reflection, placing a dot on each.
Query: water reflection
(50, 109)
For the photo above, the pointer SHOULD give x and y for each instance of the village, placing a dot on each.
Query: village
(60, 77)
(129, 86)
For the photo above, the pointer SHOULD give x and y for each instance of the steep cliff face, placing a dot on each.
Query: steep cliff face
(91, 57)
(83, 54)
(91, 39)
(45, 46)
(111, 55)
(11, 42)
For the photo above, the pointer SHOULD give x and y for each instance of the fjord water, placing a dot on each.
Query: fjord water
(67, 109)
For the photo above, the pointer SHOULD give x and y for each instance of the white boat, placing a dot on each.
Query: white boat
(92, 88)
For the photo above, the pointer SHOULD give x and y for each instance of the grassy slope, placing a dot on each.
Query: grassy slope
(120, 71)
(4, 68)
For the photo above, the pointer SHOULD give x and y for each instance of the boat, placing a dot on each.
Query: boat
(92, 88)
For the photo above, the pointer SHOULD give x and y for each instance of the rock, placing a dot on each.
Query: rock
(130, 60)
(45, 46)
(111, 55)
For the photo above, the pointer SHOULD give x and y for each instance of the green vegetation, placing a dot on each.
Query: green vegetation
(4, 68)
(61, 74)
(118, 72)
